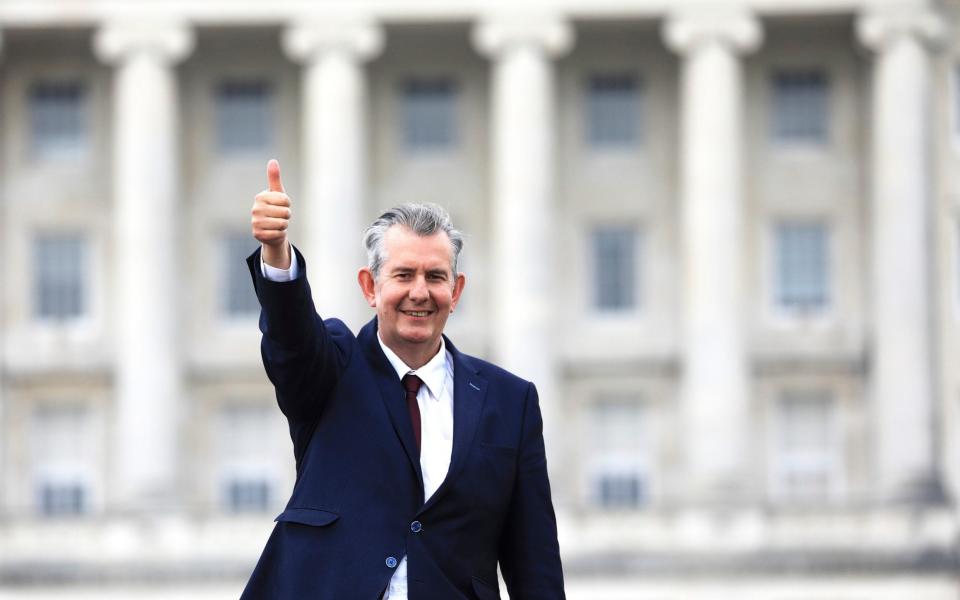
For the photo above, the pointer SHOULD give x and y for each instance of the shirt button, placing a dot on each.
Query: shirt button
(391, 562)
(416, 527)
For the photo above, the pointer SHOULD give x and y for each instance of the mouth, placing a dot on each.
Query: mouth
(417, 314)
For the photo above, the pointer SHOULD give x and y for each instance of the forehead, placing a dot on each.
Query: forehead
(406, 248)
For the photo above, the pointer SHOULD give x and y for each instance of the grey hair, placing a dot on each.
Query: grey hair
(422, 219)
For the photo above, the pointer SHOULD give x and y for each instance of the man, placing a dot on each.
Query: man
(418, 467)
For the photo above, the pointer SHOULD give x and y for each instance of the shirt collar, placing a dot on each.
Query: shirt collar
(432, 374)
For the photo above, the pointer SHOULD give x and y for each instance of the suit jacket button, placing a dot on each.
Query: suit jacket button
(416, 527)
(391, 562)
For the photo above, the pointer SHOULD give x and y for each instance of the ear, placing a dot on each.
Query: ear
(368, 286)
(457, 290)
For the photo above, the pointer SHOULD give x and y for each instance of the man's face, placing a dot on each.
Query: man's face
(414, 293)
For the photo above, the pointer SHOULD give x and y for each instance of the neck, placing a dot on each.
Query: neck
(416, 357)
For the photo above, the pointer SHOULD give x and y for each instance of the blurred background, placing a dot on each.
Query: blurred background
(722, 237)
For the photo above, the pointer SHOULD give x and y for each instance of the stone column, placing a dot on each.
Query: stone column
(334, 156)
(715, 376)
(147, 196)
(522, 205)
(901, 368)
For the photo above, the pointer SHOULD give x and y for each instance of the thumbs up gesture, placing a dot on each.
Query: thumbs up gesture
(270, 219)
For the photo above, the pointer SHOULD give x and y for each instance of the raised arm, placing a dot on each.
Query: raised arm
(302, 355)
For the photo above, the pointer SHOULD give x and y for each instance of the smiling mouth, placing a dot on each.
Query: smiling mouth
(416, 313)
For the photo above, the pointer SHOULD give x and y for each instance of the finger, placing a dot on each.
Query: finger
(273, 176)
(274, 198)
(280, 212)
(270, 223)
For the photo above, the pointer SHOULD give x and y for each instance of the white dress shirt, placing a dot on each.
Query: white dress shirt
(435, 399)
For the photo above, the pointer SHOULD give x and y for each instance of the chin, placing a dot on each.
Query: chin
(416, 337)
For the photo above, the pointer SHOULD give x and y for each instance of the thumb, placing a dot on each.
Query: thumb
(273, 176)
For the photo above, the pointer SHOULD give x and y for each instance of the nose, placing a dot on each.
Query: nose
(418, 289)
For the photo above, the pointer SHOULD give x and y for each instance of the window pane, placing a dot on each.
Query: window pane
(61, 499)
(239, 299)
(243, 116)
(246, 458)
(802, 267)
(800, 106)
(59, 271)
(246, 494)
(618, 446)
(807, 455)
(58, 128)
(62, 456)
(613, 110)
(615, 264)
(428, 114)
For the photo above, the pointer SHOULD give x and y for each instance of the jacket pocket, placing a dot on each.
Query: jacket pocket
(484, 591)
(307, 516)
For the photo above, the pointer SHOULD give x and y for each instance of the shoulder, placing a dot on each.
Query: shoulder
(495, 374)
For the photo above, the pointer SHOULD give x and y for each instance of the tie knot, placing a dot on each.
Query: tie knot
(412, 383)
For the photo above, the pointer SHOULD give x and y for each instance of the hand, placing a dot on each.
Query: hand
(271, 217)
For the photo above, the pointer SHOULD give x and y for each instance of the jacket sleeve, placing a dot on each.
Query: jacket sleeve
(529, 550)
(303, 355)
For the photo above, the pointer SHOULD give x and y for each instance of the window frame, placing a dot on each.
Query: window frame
(34, 147)
(224, 282)
(270, 115)
(773, 134)
(79, 471)
(85, 274)
(774, 293)
(778, 490)
(638, 235)
(639, 122)
(599, 466)
(230, 464)
(454, 143)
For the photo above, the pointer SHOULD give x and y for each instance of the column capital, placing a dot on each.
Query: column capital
(170, 42)
(686, 31)
(495, 34)
(359, 38)
(879, 27)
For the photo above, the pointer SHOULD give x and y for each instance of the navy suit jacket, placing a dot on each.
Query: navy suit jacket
(357, 506)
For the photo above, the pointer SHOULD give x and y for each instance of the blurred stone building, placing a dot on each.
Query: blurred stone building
(722, 237)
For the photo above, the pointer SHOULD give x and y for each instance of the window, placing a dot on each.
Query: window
(613, 110)
(58, 120)
(802, 267)
(60, 265)
(618, 466)
(246, 458)
(800, 106)
(428, 114)
(615, 268)
(239, 299)
(805, 449)
(62, 457)
(243, 116)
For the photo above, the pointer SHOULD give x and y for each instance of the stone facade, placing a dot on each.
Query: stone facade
(707, 438)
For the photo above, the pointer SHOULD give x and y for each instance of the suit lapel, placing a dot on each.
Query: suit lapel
(392, 394)
(469, 393)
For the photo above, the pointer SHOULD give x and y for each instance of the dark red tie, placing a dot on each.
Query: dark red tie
(412, 384)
